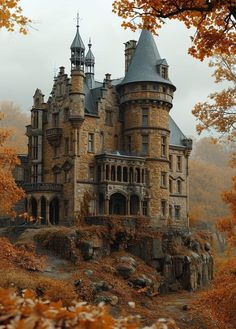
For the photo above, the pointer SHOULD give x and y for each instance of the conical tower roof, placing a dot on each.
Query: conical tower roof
(77, 42)
(89, 59)
(145, 61)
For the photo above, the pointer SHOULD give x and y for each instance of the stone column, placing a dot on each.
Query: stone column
(106, 208)
(47, 212)
(122, 169)
(128, 205)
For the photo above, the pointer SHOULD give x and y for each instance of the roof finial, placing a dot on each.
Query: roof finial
(78, 19)
(90, 44)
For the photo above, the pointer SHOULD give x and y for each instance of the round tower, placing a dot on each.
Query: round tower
(146, 95)
(77, 77)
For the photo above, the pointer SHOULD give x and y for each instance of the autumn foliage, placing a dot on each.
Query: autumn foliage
(29, 312)
(23, 257)
(214, 21)
(9, 191)
(219, 112)
(11, 16)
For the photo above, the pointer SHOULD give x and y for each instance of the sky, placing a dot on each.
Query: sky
(30, 62)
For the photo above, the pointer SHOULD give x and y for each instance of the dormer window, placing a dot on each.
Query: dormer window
(164, 72)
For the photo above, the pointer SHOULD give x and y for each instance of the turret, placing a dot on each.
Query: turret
(89, 66)
(146, 95)
(77, 79)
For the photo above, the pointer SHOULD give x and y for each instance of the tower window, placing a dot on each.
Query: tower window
(145, 144)
(35, 148)
(35, 121)
(91, 173)
(163, 208)
(66, 114)
(163, 179)
(67, 176)
(170, 185)
(164, 72)
(90, 142)
(108, 120)
(179, 163)
(163, 146)
(145, 208)
(35, 173)
(170, 211)
(144, 87)
(177, 212)
(129, 144)
(171, 162)
(55, 120)
(179, 186)
(55, 151)
(66, 145)
(144, 117)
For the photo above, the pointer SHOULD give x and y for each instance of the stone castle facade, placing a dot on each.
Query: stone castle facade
(111, 144)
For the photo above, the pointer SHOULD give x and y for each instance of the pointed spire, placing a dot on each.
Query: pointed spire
(89, 59)
(145, 60)
(77, 50)
(89, 66)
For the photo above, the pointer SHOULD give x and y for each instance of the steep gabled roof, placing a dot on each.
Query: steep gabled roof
(146, 58)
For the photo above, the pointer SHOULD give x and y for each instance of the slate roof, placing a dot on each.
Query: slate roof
(143, 66)
(77, 42)
(176, 135)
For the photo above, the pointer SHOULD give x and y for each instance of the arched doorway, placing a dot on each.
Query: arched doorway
(43, 209)
(117, 204)
(134, 205)
(54, 211)
(34, 207)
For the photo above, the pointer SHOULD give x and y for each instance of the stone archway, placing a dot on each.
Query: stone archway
(134, 205)
(117, 204)
(54, 208)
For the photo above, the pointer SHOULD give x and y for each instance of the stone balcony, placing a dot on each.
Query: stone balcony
(54, 136)
(42, 187)
(30, 131)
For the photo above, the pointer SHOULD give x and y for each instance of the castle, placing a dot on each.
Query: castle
(111, 143)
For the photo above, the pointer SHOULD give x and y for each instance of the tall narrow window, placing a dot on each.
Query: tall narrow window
(163, 146)
(55, 120)
(170, 185)
(129, 144)
(66, 114)
(163, 208)
(35, 173)
(179, 186)
(55, 151)
(179, 163)
(35, 148)
(66, 145)
(177, 212)
(145, 144)
(55, 177)
(116, 142)
(171, 162)
(35, 122)
(170, 211)
(145, 208)
(144, 117)
(90, 142)
(66, 209)
(108, 119)
(91, 173)
(163, 179)
(67, 176)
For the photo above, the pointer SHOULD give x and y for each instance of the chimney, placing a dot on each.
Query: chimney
(130, 47)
